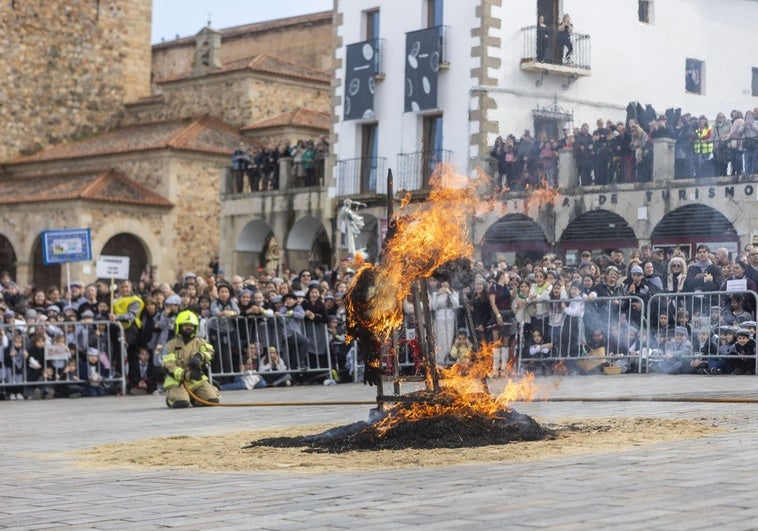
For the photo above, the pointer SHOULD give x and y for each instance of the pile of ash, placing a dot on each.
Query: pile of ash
(466, 427)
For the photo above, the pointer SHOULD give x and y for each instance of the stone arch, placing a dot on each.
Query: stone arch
(256, 246)
(308, 243)
(691, 225)
(8, 257)
(145, 235)
(514, 237)
(42, 275)
(144, 244)
(597, 229)
(129, 245)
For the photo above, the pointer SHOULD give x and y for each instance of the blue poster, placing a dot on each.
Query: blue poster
(70, 245)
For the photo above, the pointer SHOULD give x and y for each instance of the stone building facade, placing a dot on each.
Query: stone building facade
(68, 68)
(303, 40)
(240, 94)
(142, 164)
(168, 202)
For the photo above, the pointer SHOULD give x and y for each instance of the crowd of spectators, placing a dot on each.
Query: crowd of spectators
(553, 316)
(87, 321)
(622, 152)
(260, 166)
(68, 343)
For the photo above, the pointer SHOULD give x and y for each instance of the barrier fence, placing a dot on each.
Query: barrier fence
(630, 333)
(52, 359)
(626, 333)
(303, 347)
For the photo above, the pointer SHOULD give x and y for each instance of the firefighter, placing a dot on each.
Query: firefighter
(184, 361)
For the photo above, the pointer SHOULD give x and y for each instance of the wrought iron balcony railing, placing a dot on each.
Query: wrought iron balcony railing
(359, 176)
(415, 169)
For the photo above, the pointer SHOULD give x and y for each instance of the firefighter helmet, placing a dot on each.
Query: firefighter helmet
(186, 317)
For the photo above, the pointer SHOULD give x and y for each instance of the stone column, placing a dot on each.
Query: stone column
(568, 177)
(663, 159)
(285, 173)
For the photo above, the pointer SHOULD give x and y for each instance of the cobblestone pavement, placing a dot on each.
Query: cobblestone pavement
(705, 483)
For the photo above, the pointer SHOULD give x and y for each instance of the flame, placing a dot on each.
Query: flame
(427, 236)
(464, 393)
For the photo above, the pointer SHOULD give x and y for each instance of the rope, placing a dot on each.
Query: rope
(684, 399)
(274, 404)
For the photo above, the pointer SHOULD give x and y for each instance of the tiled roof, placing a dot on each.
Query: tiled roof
(298, 117)
(258, 27)
(266, 64)
(110, 186)
(207, 135)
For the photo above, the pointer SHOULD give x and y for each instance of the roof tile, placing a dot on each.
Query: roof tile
(109, 186)
(298, 117)
(263, 63)
(207, 135)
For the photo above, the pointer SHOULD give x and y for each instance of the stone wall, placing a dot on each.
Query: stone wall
(306, 44)
(238, 98)
(68, 68)
(185, 236)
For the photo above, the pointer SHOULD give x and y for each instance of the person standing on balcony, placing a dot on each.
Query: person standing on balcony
(543, 39)
(240, 163)
(565, 28)
(309, 163)
(704, 148)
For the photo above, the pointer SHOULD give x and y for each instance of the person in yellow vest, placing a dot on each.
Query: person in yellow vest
(185, 360)
(704, 149)
(126, 310)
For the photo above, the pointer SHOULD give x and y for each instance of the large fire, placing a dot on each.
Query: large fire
(428, 238)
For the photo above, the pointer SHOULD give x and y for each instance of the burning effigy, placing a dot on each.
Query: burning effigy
(456, 407)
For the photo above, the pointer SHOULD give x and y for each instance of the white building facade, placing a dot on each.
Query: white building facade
(446, 78)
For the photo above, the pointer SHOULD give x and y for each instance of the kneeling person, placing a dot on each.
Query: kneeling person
(185, 358)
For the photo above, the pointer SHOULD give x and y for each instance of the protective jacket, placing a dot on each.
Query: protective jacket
(177, 357)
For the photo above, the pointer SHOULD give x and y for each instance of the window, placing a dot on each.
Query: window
(369, 157)
(755, 81)
(372, 24)
(645, 11)
(432, 153)
(433, 13)
(693, 76)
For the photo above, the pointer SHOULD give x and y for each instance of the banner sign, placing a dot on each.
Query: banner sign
(422, 65)
(359, 80)
(71, 245)
(116, 267)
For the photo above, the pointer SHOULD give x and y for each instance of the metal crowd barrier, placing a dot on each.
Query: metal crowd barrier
(632, 335)
(59, 363)
(567, 339)
(235, 339)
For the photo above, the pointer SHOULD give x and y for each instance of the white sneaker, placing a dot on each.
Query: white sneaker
(12, 396)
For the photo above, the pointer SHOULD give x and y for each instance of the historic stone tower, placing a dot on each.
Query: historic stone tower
(69, 68)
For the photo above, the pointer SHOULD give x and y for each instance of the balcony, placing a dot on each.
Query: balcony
(415, 169)
(359, 176)
(550, 59)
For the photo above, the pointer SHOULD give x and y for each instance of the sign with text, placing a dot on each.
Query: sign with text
(70, 245)
(113, 267)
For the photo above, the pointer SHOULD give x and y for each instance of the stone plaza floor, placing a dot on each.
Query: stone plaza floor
(704, 483)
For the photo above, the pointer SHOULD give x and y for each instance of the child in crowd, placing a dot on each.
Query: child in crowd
(461, 348)
(143, 375)
(539, 349)
(93, 373)
(273, 363)
(744, 349)
(246, 379)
